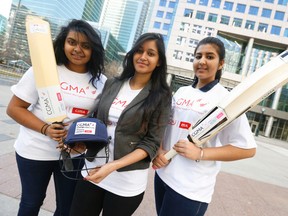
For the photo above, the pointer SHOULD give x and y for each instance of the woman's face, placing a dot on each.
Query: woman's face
(206, 63)
(78, 50)
(146, 58)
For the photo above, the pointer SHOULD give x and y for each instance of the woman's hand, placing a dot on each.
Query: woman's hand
(97, 174)
(56, 131)
(187, 149)
(160, 160)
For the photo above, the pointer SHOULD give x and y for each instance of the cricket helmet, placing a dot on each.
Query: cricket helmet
(90, 133)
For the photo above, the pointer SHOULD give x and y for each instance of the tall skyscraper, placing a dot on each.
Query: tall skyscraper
(61, 9)
(125, 19)
(92, 10)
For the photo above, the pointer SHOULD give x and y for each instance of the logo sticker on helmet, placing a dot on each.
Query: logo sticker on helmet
(85, 128)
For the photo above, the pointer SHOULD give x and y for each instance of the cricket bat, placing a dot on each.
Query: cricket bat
(45, 69)
(259, 85)
(46, 75)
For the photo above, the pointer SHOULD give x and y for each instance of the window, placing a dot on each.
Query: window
(209, 31)
(240, 8)
(200, 15)
(188, 13)
(228, 5)
(279, 15)
(157, 25)
(166, 26)
(250, 25)
(282, 2)
(216, 3)
(212, 17)
(225, 20)
(169, 15)
(172, 4)
(163, 3)
(266, 13)
(269, 1)
(184, 27)
(193, 43)
(197, 29)
(181, 40)
(203, 2)
(177, 54)
(262, 27)
(286, 32)
(275, 30)
(253, 10)
(191, 1)
(159, 14)
(237, 22)
(189, 57)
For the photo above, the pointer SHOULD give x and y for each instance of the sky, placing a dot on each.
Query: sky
(5, 7)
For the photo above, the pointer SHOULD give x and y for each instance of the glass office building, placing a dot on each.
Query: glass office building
(253, 31)
(125, 19)
(58, 13)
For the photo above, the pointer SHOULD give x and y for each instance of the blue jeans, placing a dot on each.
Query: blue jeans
(171, 203)
(35, 176)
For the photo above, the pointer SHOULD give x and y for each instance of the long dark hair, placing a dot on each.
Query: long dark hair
(96, 63)
(220, 49)
(160, 90)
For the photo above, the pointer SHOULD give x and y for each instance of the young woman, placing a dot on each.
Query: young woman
(79, 55)
(135, 107)
(184, 185)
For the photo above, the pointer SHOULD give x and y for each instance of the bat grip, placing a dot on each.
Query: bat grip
(170, 154)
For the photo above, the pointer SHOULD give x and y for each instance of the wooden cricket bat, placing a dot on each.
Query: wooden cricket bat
(263, 82)
(45, 69)
(46, 75)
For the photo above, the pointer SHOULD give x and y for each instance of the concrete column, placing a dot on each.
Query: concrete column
(247, 58)
(271, 118)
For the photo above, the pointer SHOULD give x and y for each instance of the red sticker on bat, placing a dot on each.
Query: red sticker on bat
(59, 96)
(184, 125)
(79, 111)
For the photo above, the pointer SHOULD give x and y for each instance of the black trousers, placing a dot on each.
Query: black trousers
(90, 200)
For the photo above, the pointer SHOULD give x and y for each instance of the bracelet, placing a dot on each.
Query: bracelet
(44, 132)
(43, 128)
(201, 155)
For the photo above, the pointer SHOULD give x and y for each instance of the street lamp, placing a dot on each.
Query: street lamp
(260, 121)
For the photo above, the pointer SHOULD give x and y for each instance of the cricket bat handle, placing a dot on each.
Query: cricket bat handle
(170, 154)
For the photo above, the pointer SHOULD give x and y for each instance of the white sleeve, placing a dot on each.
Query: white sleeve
(238, 133)
(25, 89)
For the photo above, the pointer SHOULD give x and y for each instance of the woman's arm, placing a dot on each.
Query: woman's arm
(18, 110)
(191, 151)
(98, 174)
(222, 153)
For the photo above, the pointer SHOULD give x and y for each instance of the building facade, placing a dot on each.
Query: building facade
(253, 33)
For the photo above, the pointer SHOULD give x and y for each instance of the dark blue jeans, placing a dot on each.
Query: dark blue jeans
(35, 176)
(171, 203)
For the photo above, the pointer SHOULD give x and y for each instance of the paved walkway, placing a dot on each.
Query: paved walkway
(251, 187)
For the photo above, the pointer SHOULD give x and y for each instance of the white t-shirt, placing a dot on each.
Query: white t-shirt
(194, 180)
(127, 183)
(79, 97)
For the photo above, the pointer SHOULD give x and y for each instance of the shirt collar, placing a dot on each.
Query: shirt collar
(207, 87)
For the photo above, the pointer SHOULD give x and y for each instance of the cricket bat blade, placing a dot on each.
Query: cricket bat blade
(45, 69)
